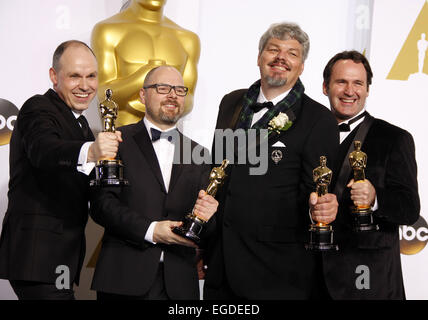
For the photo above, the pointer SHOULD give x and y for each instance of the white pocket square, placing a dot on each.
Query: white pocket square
(278, 144)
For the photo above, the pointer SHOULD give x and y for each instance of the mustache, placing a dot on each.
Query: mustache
(281, 62)
(170, 101)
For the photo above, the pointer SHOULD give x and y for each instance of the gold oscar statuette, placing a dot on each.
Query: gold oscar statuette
(109, 172)
(321, 234)
(134, 41)
(362, 214)
(193, 224)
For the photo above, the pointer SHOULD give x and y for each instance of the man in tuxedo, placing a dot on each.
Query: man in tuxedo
(141, 258)
(51, 155)
(258, 251)
(368, 264)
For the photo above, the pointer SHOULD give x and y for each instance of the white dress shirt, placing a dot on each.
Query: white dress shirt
(164, 150)
(344, 135)
(83, 165)
(261, 99)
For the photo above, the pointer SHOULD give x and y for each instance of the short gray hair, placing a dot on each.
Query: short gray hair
(286, 31)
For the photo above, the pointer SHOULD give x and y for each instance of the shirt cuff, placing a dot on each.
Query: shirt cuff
(149, 234)
(310, 217)
(83, 165)
(375, 205)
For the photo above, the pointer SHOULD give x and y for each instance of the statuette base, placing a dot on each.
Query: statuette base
(109, 173)
(321, 238)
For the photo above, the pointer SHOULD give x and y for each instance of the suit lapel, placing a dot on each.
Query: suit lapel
(145, 145)
(358, 133)
(177, 168)
(73, 126)
(236, 114)
(273, 137)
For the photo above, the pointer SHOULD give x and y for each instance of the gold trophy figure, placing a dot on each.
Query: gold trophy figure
(321, 234)
(193, 224)
(108, 110)
(134, 41)
(362, 214)
(109, 172)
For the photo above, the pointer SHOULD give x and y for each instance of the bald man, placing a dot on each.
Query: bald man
(52, 154)
(141, 258)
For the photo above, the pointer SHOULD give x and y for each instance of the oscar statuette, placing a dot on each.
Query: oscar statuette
(109, 172)
(192, 224)
(362, 214)
(321, 234)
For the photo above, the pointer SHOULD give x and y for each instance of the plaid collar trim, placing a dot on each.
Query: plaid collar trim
(251, 96)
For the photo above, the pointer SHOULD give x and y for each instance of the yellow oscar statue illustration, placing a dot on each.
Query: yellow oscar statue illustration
(131, 43)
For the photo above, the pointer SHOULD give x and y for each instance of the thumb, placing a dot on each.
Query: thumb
(119, 136)
(313, 198)
(173, 224)
(350, 183)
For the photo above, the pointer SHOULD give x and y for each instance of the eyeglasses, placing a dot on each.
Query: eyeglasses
(162, 88)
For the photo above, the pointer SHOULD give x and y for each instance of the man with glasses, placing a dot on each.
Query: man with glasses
(141, 258)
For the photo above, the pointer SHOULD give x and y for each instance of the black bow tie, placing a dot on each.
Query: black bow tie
(85, 126)
(257, 106)
(156, 134)
(346, 127)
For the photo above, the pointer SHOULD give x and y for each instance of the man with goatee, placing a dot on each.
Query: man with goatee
(141, 258)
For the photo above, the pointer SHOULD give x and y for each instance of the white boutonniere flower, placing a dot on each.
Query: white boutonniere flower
(279, 123)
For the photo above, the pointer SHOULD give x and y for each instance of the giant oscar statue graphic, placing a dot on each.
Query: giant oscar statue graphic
(321, 234)
(131, 43)
(362, 214)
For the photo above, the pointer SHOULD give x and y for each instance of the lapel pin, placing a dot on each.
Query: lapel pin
(276, 156)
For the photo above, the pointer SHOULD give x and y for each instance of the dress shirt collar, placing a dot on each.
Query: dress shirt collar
(356, 123)
(352, 126)
(77, 115)
(261, 98)
(149, 125)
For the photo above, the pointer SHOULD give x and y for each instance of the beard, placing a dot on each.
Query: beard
(166, 118)
(169, 119)
(275, 82)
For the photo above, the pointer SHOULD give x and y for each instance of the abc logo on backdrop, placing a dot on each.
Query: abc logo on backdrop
(414, 238)
(8, 114)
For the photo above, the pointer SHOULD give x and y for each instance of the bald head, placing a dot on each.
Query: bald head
(162, 69)
(59, 51)
(163, 109)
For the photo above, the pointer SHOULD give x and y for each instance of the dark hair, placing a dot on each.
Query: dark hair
(348, 55)
(61, 49)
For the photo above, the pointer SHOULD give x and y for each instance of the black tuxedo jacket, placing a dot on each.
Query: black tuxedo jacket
(47, 211)
(127, 263)
(391, 168)
(263, 220)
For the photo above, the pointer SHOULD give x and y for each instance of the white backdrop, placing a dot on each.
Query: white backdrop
(229, 33)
